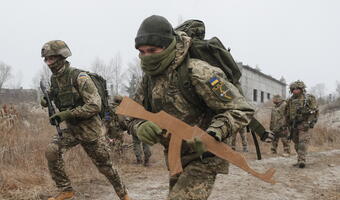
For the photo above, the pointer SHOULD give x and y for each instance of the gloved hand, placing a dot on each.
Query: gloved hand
(215, 132)
(197, 145)
(149, 132)
(43, 102)
(61, 116)
(270, 137)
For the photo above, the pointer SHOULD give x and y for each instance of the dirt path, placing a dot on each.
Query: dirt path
(319, 180)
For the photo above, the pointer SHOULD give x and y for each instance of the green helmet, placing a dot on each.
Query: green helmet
(297, 84)
(277, 98)
(55, 48)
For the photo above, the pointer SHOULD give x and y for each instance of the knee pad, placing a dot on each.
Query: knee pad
(52, 152)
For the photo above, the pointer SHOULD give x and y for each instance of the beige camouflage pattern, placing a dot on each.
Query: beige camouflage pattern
(141, 150)
(279, 127)
(116, 125)
(299, 112)
(226, 116)
(244, 141)
(85, 129)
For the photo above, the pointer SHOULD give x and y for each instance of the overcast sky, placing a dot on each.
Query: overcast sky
(297, 39)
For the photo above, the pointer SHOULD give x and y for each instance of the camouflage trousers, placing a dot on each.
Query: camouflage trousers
(285, 142)
(97, 150)
(301, 138)
(242, 133)
(195, 182)
(137, 148)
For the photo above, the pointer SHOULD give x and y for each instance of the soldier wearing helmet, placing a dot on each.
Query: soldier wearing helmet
(301, 115)
(278, 125)
(76, 97)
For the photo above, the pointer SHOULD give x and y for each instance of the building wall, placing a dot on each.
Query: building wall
(253, 81)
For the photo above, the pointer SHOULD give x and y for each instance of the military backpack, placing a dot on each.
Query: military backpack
(211, 51)
(67, 99)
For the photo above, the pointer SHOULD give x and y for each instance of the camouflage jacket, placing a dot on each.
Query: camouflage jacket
(115, 123)
(278, 119)
(302, 109)
(226, 109)
(85, 124)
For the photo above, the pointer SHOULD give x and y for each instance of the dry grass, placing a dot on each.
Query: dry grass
(23, 167)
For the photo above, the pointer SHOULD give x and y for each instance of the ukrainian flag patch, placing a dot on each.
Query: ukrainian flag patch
(213, 81)
(220, 89)
(82, 76)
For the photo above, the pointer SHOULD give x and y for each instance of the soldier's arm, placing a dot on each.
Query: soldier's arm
(90, 96)
(133, 123)
(231, 108)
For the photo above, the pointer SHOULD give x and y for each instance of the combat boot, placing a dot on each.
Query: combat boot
(285, 154)
(273, 151)
(126, 197)
(245, 149)
(63, 195)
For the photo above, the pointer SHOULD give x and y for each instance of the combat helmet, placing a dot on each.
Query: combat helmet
(297, 84)
(55, 48)
(277, 97)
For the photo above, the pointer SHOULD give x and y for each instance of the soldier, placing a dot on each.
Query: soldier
(115, 125)
(279, 126)
(161, 51)
(79, 103)
(243, 139)
(140, 148)
(301, 115)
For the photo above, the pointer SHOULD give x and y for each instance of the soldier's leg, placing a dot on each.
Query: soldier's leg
(304, 139)
(275, 144)
(244, 140)
(137, 148)
(54, 155)
(147, 154)
(286, 145)
(100, 156)
(195, 183)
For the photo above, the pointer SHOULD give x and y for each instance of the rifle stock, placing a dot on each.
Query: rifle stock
(181, 131)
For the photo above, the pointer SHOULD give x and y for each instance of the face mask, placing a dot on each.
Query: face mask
(157, 63)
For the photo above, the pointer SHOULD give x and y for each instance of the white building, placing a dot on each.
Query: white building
(259, 87)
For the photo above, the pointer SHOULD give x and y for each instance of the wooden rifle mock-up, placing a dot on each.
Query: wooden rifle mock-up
(179, 131)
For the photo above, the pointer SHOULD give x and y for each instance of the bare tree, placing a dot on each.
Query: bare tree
(337, 89)
(5, 73)
(15, 82)
(111, 72)
(44, 74)
(133, 76)
(318, 90)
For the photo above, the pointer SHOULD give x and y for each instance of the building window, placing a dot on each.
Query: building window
(255, 95)
(262, 96)
(268, 96)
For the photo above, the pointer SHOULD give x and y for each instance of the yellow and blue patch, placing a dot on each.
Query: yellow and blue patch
(213, 81)
(82, 76)
(220, 89)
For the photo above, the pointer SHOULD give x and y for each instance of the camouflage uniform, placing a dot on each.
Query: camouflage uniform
(137, 149)
(115, 126)
(243, 139)
(227, 111)
(279, 126)
(85, 127)
(301, 115)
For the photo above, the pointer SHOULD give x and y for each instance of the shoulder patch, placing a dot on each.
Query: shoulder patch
(220, 89)
(83, 76)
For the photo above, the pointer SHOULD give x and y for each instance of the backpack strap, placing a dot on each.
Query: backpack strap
(186, 87)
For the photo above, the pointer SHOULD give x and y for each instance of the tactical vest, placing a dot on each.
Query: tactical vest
(302, 109)
(65, 93)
